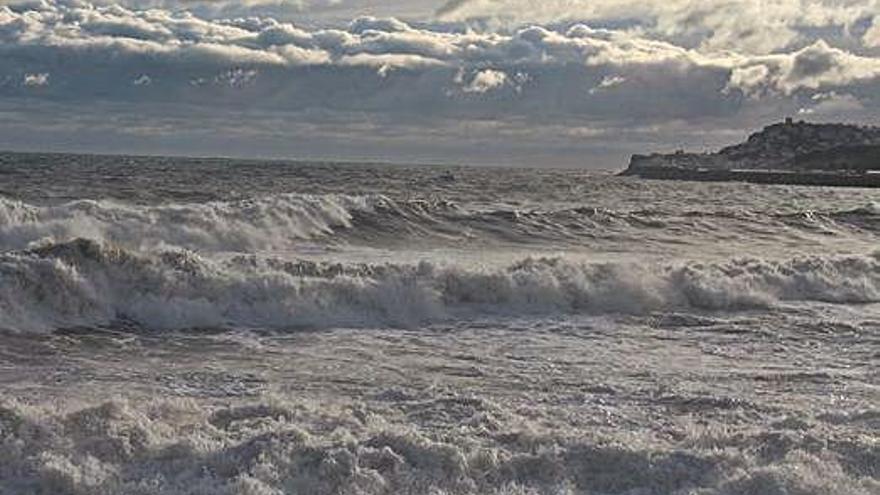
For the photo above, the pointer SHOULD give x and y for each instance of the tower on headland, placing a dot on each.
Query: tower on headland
(789, 121)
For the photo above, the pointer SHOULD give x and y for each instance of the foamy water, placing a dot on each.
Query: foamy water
(207, 326)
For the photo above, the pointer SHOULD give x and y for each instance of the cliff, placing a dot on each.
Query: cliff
(784, 147)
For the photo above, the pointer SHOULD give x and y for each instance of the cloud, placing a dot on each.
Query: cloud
(184, 47)
(832, 105)
(311, 11)
(815, 67)
(376, 74)
(757, 27)
(484, 81)
(872, 35)
(607, 82)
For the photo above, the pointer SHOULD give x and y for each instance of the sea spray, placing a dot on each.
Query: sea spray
(84, 282)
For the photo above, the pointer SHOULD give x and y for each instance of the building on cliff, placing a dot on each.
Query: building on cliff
(784, 146)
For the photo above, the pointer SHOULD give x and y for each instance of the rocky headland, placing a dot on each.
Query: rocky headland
(788, 152)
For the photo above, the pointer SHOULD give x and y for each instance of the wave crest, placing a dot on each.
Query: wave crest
(286, 221)
(264, 223)
(85, 283)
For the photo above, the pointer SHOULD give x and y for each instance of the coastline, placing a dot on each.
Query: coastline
(793, 153)
(775, 177)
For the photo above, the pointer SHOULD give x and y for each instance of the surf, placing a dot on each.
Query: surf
(89, 283)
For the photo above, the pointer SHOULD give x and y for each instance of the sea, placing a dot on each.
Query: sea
(217, 326)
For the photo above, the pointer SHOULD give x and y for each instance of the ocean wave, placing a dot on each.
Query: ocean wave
(263, 223)
(86, 283)
(864, 218)
(275, 446)
(286, 221)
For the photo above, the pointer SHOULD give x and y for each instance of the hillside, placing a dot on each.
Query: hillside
(789, 146)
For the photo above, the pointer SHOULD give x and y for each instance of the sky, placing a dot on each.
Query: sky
(508, 82)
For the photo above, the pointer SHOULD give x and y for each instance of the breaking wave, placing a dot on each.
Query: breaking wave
(865, 218)
(87, 283)
(273, 447)
(264, 223)
(284, 221)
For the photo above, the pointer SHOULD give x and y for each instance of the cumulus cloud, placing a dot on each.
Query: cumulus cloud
(744, 25)
(236, 78)
(872, 35)
(189, 47)
(607, 83)
(321, 11)
(832, 105)
(815, 67)
(372, 71)
(484, 81)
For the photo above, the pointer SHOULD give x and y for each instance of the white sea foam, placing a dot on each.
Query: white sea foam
(274, 221)
(285, 221)
(276, 447)
(691, 338)
(87, 283)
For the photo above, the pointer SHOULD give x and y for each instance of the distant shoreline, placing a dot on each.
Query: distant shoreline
(796, 153)
(777, 177)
